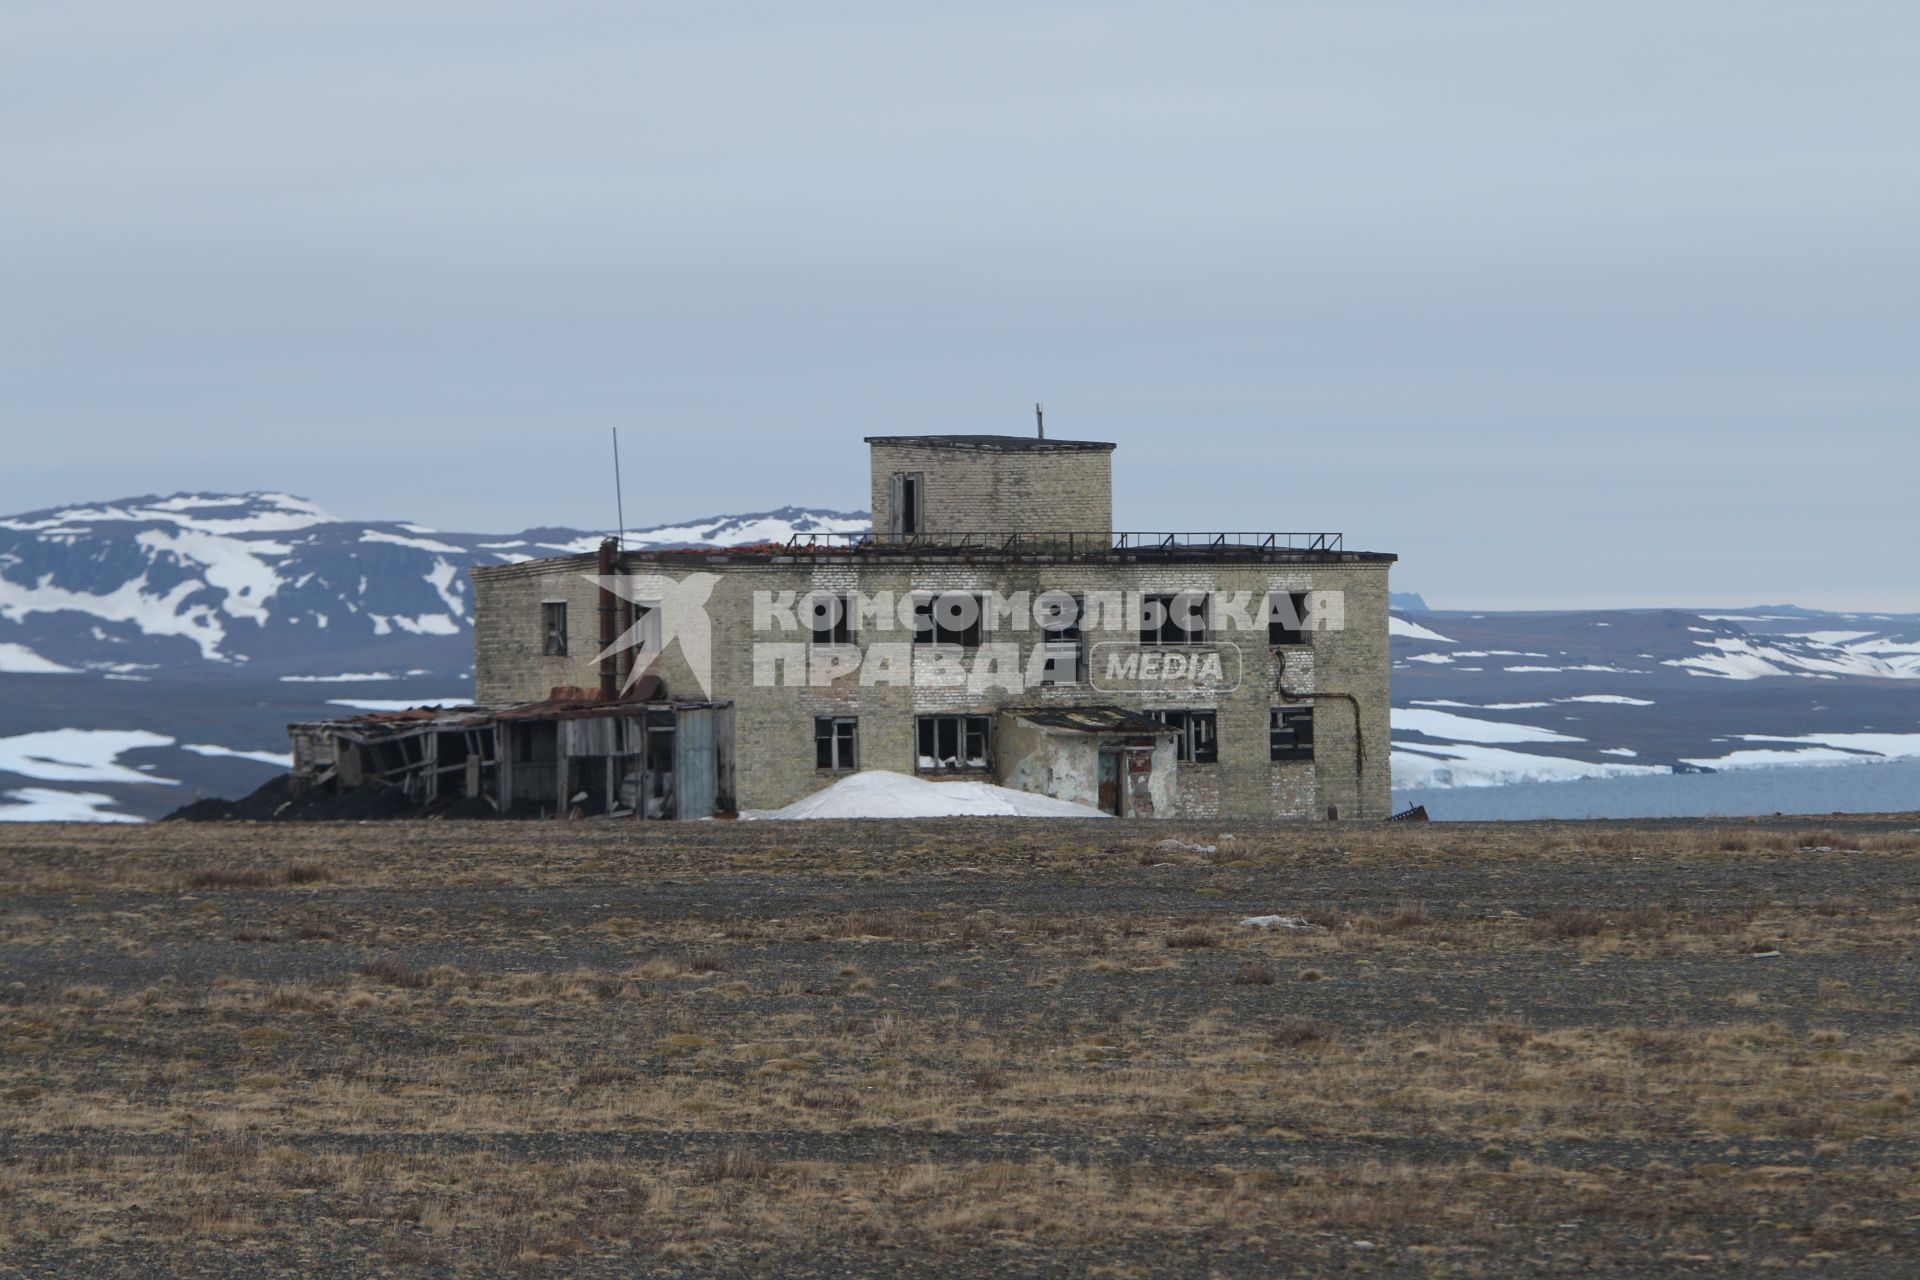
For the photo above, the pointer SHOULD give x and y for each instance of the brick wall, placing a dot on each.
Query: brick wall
(977, 490)
(774, 725)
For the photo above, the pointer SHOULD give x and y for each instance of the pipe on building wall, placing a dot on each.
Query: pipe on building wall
(1359, 733)
(630, 654)
(609, 662)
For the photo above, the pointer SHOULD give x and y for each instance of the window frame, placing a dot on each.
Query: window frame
(1199, 730)
(933, 634)
(1068, 639)
(839, 736)
(1296, 723)
(903, 481)
(1279, 636)
(840, 632)
(1169, 634)
(554, 643)
(966, 726)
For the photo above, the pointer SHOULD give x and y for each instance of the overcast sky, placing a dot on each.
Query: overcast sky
(1565, 303)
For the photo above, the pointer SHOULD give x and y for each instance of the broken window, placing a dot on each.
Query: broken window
(955, 742)
(951, 617)
(830, 618)
(1290, 733)
(835, 742)
(1286, 618)
(1059, 613)
(646, 617)
(554, 617)
(907, 492)
(1173, 618)
(1198, 741)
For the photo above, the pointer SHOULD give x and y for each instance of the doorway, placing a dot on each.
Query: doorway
(1110, 791)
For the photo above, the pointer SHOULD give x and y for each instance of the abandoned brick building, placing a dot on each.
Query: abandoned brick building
(993, 626)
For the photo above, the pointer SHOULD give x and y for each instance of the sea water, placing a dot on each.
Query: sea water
(1890, 787)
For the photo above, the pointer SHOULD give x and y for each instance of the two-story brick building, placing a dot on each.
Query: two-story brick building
(994, 626)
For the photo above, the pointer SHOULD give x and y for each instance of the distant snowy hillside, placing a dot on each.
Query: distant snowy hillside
(155, 649)
(1499, 698)
(274, 584)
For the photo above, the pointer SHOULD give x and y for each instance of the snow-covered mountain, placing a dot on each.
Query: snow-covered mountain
(153, 649)
(272, 584)
(1497, 698)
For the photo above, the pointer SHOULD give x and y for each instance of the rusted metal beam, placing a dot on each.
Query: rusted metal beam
(609, 664)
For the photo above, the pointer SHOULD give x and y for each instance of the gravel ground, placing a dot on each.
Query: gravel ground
(959, 1047)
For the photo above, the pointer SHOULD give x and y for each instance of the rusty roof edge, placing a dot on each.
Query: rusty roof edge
(1090, 719)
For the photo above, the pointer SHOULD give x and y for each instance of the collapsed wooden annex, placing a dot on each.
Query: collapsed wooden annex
(574, 751)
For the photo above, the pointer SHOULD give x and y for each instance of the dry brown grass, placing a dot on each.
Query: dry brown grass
(292, 873)
(719, 1092)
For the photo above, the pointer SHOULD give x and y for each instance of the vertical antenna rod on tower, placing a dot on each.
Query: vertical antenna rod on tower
(1040, 419)
(619, 502)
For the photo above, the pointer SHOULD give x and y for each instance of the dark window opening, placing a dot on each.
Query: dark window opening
(955, 742)
(535, 743)
(830, 619)
(1174, 618)
(1198, 742)
(952, 617)
(554, 617)
(1290, 733)
(1066, 659)
(907, 502)
(835, 742)
(1287, 617)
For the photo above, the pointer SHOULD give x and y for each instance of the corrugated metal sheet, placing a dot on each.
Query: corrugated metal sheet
(695, 764)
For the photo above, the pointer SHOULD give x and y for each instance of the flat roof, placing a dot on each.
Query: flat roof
(997, 444)
(876, 555)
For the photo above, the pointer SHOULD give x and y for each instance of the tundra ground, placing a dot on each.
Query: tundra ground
(978, 1047)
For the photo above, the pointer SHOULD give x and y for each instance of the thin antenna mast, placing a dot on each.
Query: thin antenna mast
(1040, 419)
(619, 501)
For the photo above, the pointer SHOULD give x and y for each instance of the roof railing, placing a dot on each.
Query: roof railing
(1072, 543)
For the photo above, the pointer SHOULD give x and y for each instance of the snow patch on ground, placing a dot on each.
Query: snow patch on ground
(878, 793)
(275, 513)
(280, 759)
(1615, 699)
(1769, 757)
(18, 660)
(445, 580)
(770, 529)
(1444, 724)
(43, 804)
(79, 755)
(155, 615)
(349, 677)
(418, 544)
(1737, 658)
(1465, 765)
(231, 566)
(1397, 626)
(427, 624)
